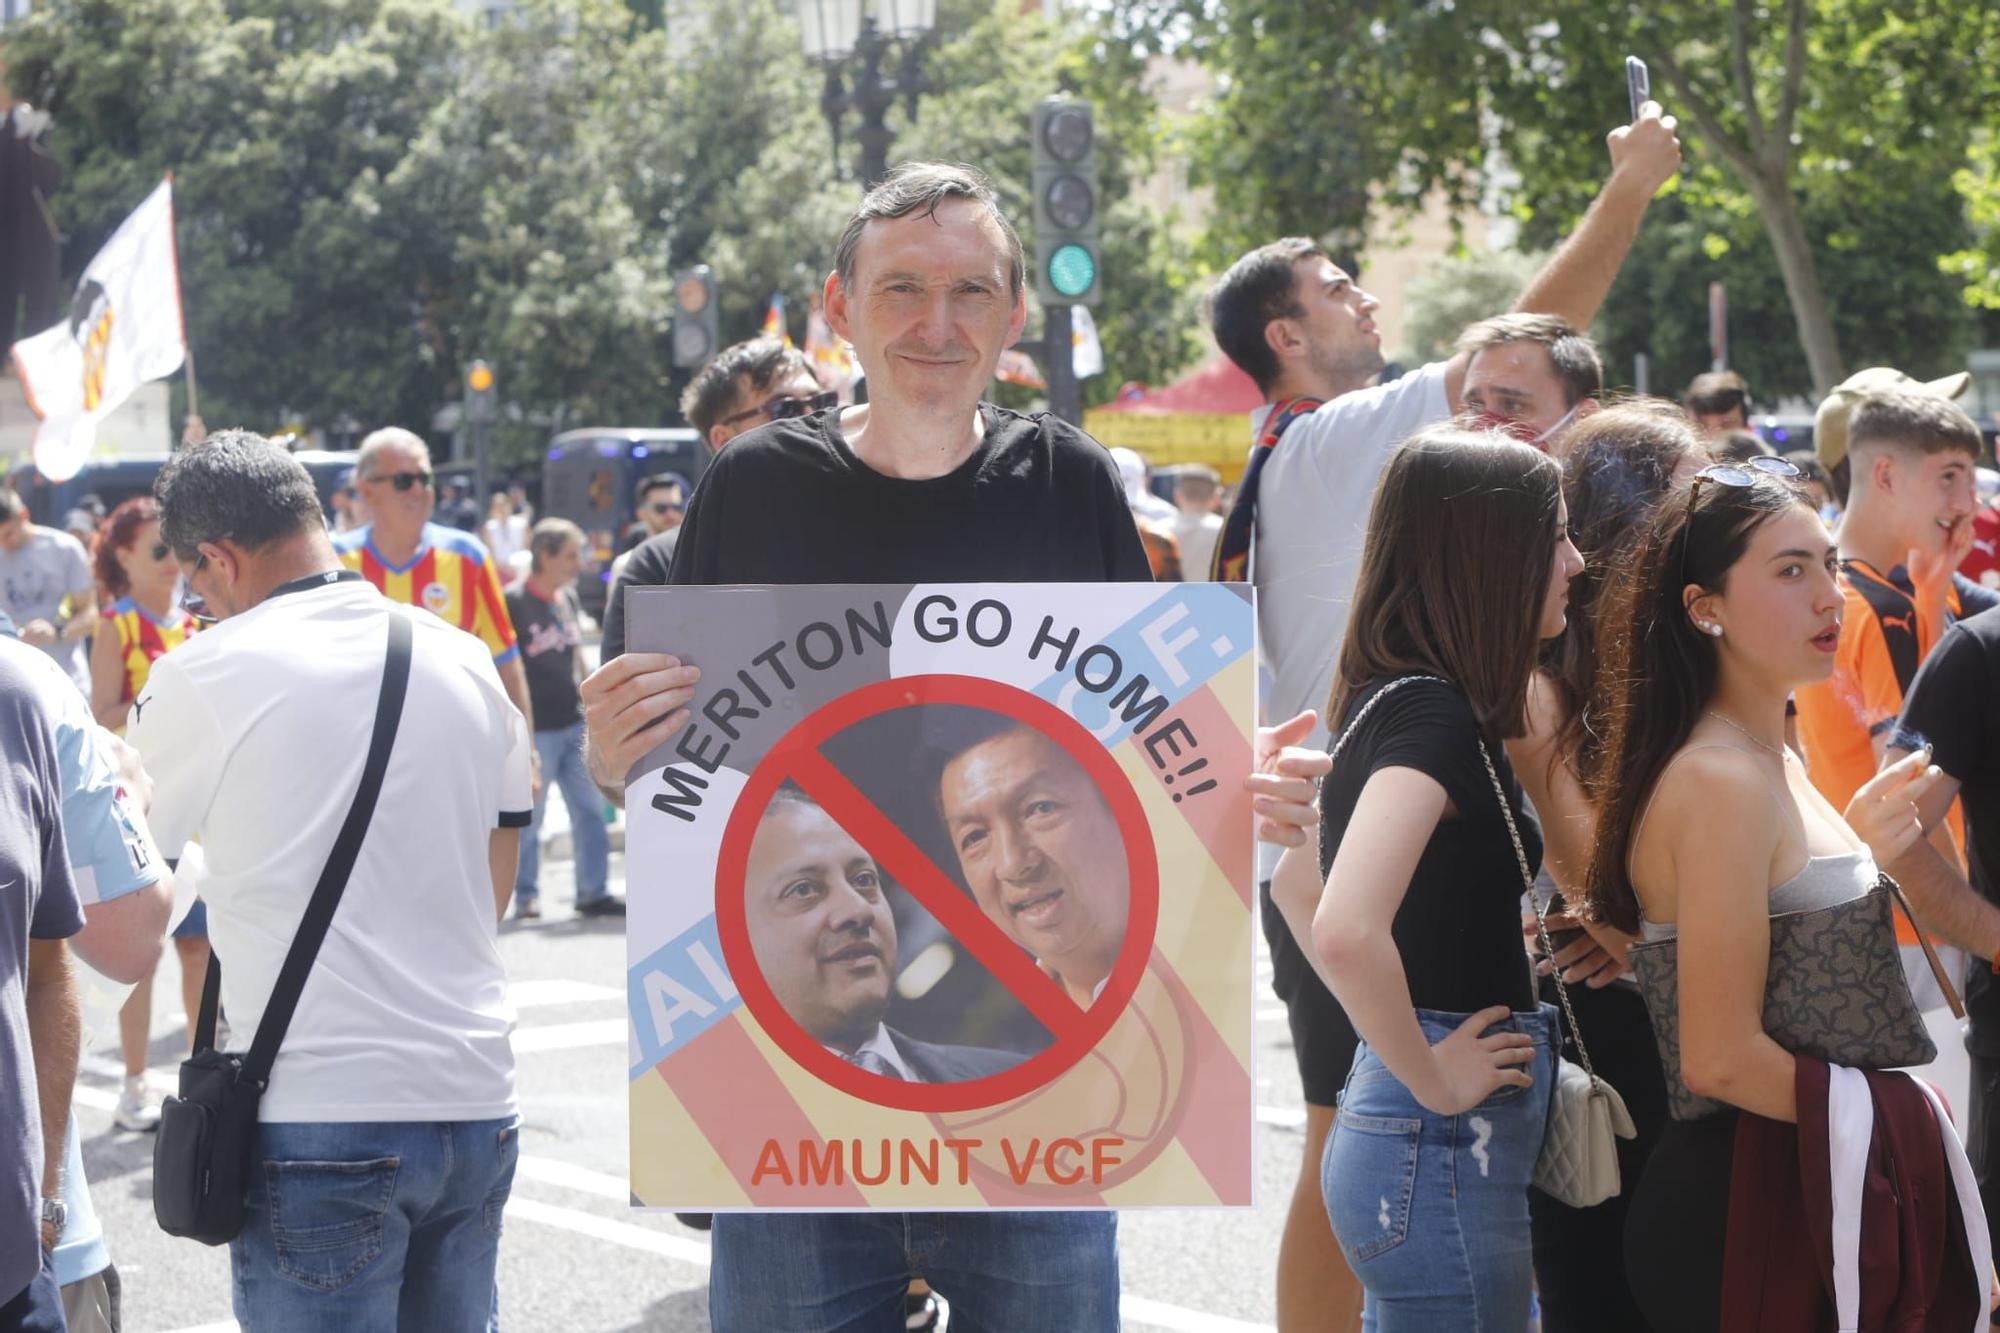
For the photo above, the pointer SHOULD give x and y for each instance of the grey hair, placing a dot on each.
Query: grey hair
(389, 437)
(922, 187)
(548, 538)
(237, 485)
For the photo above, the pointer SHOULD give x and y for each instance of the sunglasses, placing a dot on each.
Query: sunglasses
(665, 507)
(193, 602)
(781, 406)
(1740, 474)
(1733, 474)
(402, 481)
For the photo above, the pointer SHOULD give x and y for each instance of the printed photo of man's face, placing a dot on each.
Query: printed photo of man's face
(1041, 852)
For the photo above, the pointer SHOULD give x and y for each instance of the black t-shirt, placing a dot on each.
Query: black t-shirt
(1037, 502)
(1954, 703)
(1459, 928)
(548, 635)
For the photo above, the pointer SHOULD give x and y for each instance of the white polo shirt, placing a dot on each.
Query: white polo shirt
(1312, 522)
(255, 733)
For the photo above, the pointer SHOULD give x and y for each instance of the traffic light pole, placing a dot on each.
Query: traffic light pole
(482, 437)
(1059, 364)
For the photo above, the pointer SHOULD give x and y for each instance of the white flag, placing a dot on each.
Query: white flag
(124, 328)
(1086, 352)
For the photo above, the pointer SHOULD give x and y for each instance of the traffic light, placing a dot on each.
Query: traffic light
(1065, 180)
(479, 392)
(697, 336)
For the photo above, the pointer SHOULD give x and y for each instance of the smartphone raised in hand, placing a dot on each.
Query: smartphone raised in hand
(1638, 83)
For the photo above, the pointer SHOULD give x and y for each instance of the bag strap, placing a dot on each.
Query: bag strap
(1535, 899)
(1369, 707)
(332, 880)
(1930, 954)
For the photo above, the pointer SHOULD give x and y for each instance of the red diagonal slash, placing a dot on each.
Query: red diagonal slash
(907, 864)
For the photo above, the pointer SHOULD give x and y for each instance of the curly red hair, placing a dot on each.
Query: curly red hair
(120, 533)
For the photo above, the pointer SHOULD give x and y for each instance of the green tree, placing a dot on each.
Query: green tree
(370, 193)
(279, 123)
(986, 66)
(1455, 293)
(1783, 102)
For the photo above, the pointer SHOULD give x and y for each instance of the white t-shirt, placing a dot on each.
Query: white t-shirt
(255, 733)
(1197, 534)
(1312, 521)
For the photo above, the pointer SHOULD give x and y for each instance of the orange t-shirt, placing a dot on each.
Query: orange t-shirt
(1882, 644)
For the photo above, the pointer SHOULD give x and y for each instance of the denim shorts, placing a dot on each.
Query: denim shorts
(1431, 1211)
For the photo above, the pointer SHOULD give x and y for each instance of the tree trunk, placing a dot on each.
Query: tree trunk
(1780, 214)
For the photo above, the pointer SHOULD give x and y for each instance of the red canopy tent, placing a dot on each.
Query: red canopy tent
(1217, 386)
(1202, 417)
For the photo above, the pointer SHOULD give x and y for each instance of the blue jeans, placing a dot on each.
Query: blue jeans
(1432, 1210)
(847, 1272)
(374, 1227)
(561, 752)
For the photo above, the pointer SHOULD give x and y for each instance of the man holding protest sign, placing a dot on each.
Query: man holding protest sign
(924, 481)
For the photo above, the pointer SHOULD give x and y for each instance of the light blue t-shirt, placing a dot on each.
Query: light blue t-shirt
(110, 855)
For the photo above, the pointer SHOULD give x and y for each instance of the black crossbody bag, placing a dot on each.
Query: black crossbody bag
(207, 1135)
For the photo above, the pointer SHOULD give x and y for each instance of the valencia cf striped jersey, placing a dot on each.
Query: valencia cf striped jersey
(141, 640)
(451, 575)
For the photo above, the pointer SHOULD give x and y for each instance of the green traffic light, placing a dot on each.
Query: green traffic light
(1072, 270)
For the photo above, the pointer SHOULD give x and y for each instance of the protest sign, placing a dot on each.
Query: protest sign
(944, 899)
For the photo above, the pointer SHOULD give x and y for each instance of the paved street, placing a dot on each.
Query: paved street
(575, 1256)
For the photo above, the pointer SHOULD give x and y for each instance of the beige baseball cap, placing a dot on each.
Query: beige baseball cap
(1830, 422)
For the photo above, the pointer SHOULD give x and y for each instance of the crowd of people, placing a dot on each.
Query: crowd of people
(1533, 651)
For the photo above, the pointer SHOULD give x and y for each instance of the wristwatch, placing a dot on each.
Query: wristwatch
(56, 1211)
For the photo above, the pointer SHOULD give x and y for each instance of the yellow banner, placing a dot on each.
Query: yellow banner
(1219, 439)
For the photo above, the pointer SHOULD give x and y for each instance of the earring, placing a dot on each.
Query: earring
(1709, 627)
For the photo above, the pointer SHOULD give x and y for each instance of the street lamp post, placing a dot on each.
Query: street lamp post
(867, 32)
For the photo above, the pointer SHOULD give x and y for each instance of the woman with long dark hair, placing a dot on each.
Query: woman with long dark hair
(1410, 912)
(1619, 464)
(1707, 827)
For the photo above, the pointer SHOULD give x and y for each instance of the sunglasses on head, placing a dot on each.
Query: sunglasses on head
(402, 481)
(781, 406)
(1740, 474)
(1733, 474)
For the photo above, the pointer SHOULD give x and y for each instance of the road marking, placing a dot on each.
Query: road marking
(603, 1228)
(550, 1171)
(557, 990)
(1179, 1318)
(563, 1036)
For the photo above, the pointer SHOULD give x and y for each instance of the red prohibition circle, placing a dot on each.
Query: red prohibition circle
(800, 749)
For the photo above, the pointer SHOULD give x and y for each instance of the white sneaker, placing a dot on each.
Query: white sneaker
(138, 1107)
